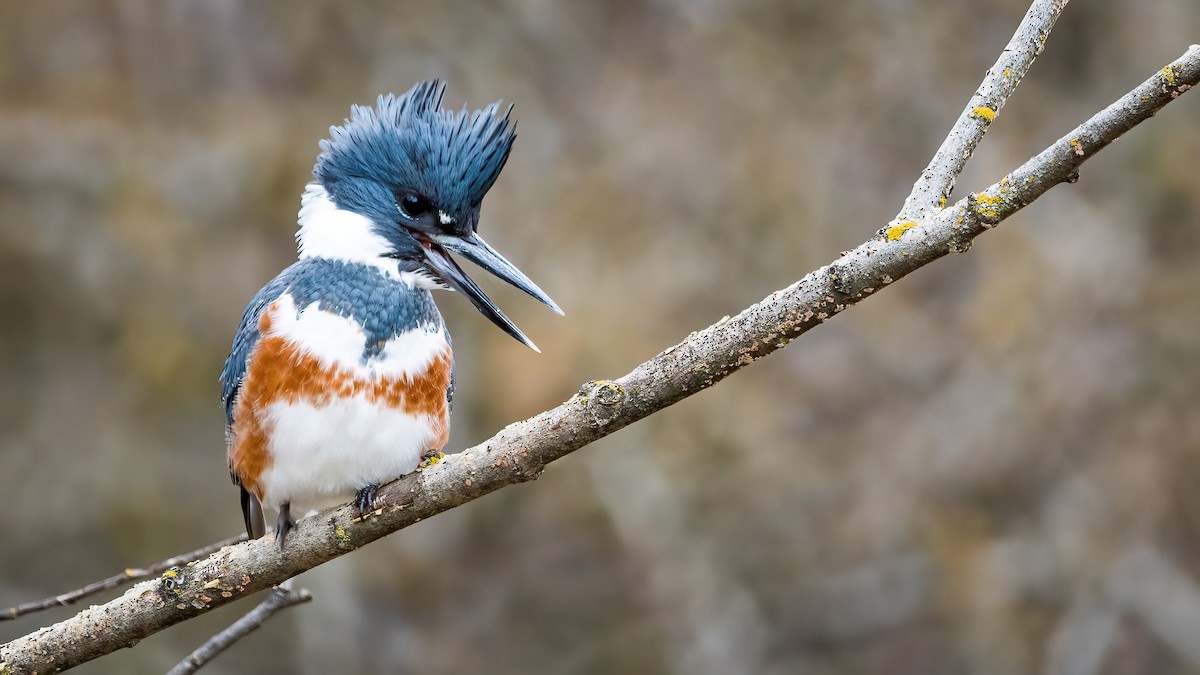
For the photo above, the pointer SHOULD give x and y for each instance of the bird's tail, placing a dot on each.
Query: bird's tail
(252, 511)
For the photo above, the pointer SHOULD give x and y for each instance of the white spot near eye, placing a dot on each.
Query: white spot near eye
(445, 218)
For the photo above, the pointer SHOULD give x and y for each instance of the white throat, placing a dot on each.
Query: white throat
(327, 231)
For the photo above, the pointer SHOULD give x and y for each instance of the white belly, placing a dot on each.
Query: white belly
(322, 455)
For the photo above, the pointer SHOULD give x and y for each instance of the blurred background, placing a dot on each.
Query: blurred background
(990, 468)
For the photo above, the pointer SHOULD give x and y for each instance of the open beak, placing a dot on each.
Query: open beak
(474, 248)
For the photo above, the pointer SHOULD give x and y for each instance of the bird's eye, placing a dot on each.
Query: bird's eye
(414, 206)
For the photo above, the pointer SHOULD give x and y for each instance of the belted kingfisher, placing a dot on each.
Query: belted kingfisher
(341, 373)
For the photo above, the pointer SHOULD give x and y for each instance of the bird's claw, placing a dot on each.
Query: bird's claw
(364, 499)
(284, 523)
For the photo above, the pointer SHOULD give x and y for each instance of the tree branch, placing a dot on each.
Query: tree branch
(127, 577)
(933, 188)
(520, 451)
(281, 597)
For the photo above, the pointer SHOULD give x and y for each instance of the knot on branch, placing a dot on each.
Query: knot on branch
(173, 583)
(837, 279)
(985, 210)
(602, 399)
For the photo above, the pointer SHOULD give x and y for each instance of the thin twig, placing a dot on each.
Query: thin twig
(932, 189)
(1060, 162)
(281, 597)
(520, 451)
(127, 577)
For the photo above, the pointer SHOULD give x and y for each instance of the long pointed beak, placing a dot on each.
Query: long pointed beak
(474, 248)
(477, 251)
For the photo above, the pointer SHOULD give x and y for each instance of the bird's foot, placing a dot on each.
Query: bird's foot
(365, 499)
(284, 523)
(431, 457)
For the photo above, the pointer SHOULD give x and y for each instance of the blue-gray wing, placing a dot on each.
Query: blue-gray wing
(243, 343)
(231, 381)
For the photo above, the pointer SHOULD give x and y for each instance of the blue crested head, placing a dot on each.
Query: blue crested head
(413, 146)
(411, 176)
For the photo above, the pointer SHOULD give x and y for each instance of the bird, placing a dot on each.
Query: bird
(341, 373)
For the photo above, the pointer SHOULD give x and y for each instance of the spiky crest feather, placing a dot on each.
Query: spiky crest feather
(409, 141)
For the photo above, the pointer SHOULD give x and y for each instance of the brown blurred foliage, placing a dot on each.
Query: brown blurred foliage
(991, 468)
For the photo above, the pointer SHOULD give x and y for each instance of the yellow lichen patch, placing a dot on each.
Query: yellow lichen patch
(988, 207)
(942, 202)
(342, 535)
(431, 460)
(1168, 74)
(985, 113)
(896, 231)
(1007, 72)
(1077, 146)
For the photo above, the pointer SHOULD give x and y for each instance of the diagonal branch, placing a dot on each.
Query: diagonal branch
(117, 580)
(520, 451)
(281, 597)
(933, 188)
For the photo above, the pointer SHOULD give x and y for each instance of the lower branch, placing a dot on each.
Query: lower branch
(520, 451)
(117, 580)
(281, 597)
